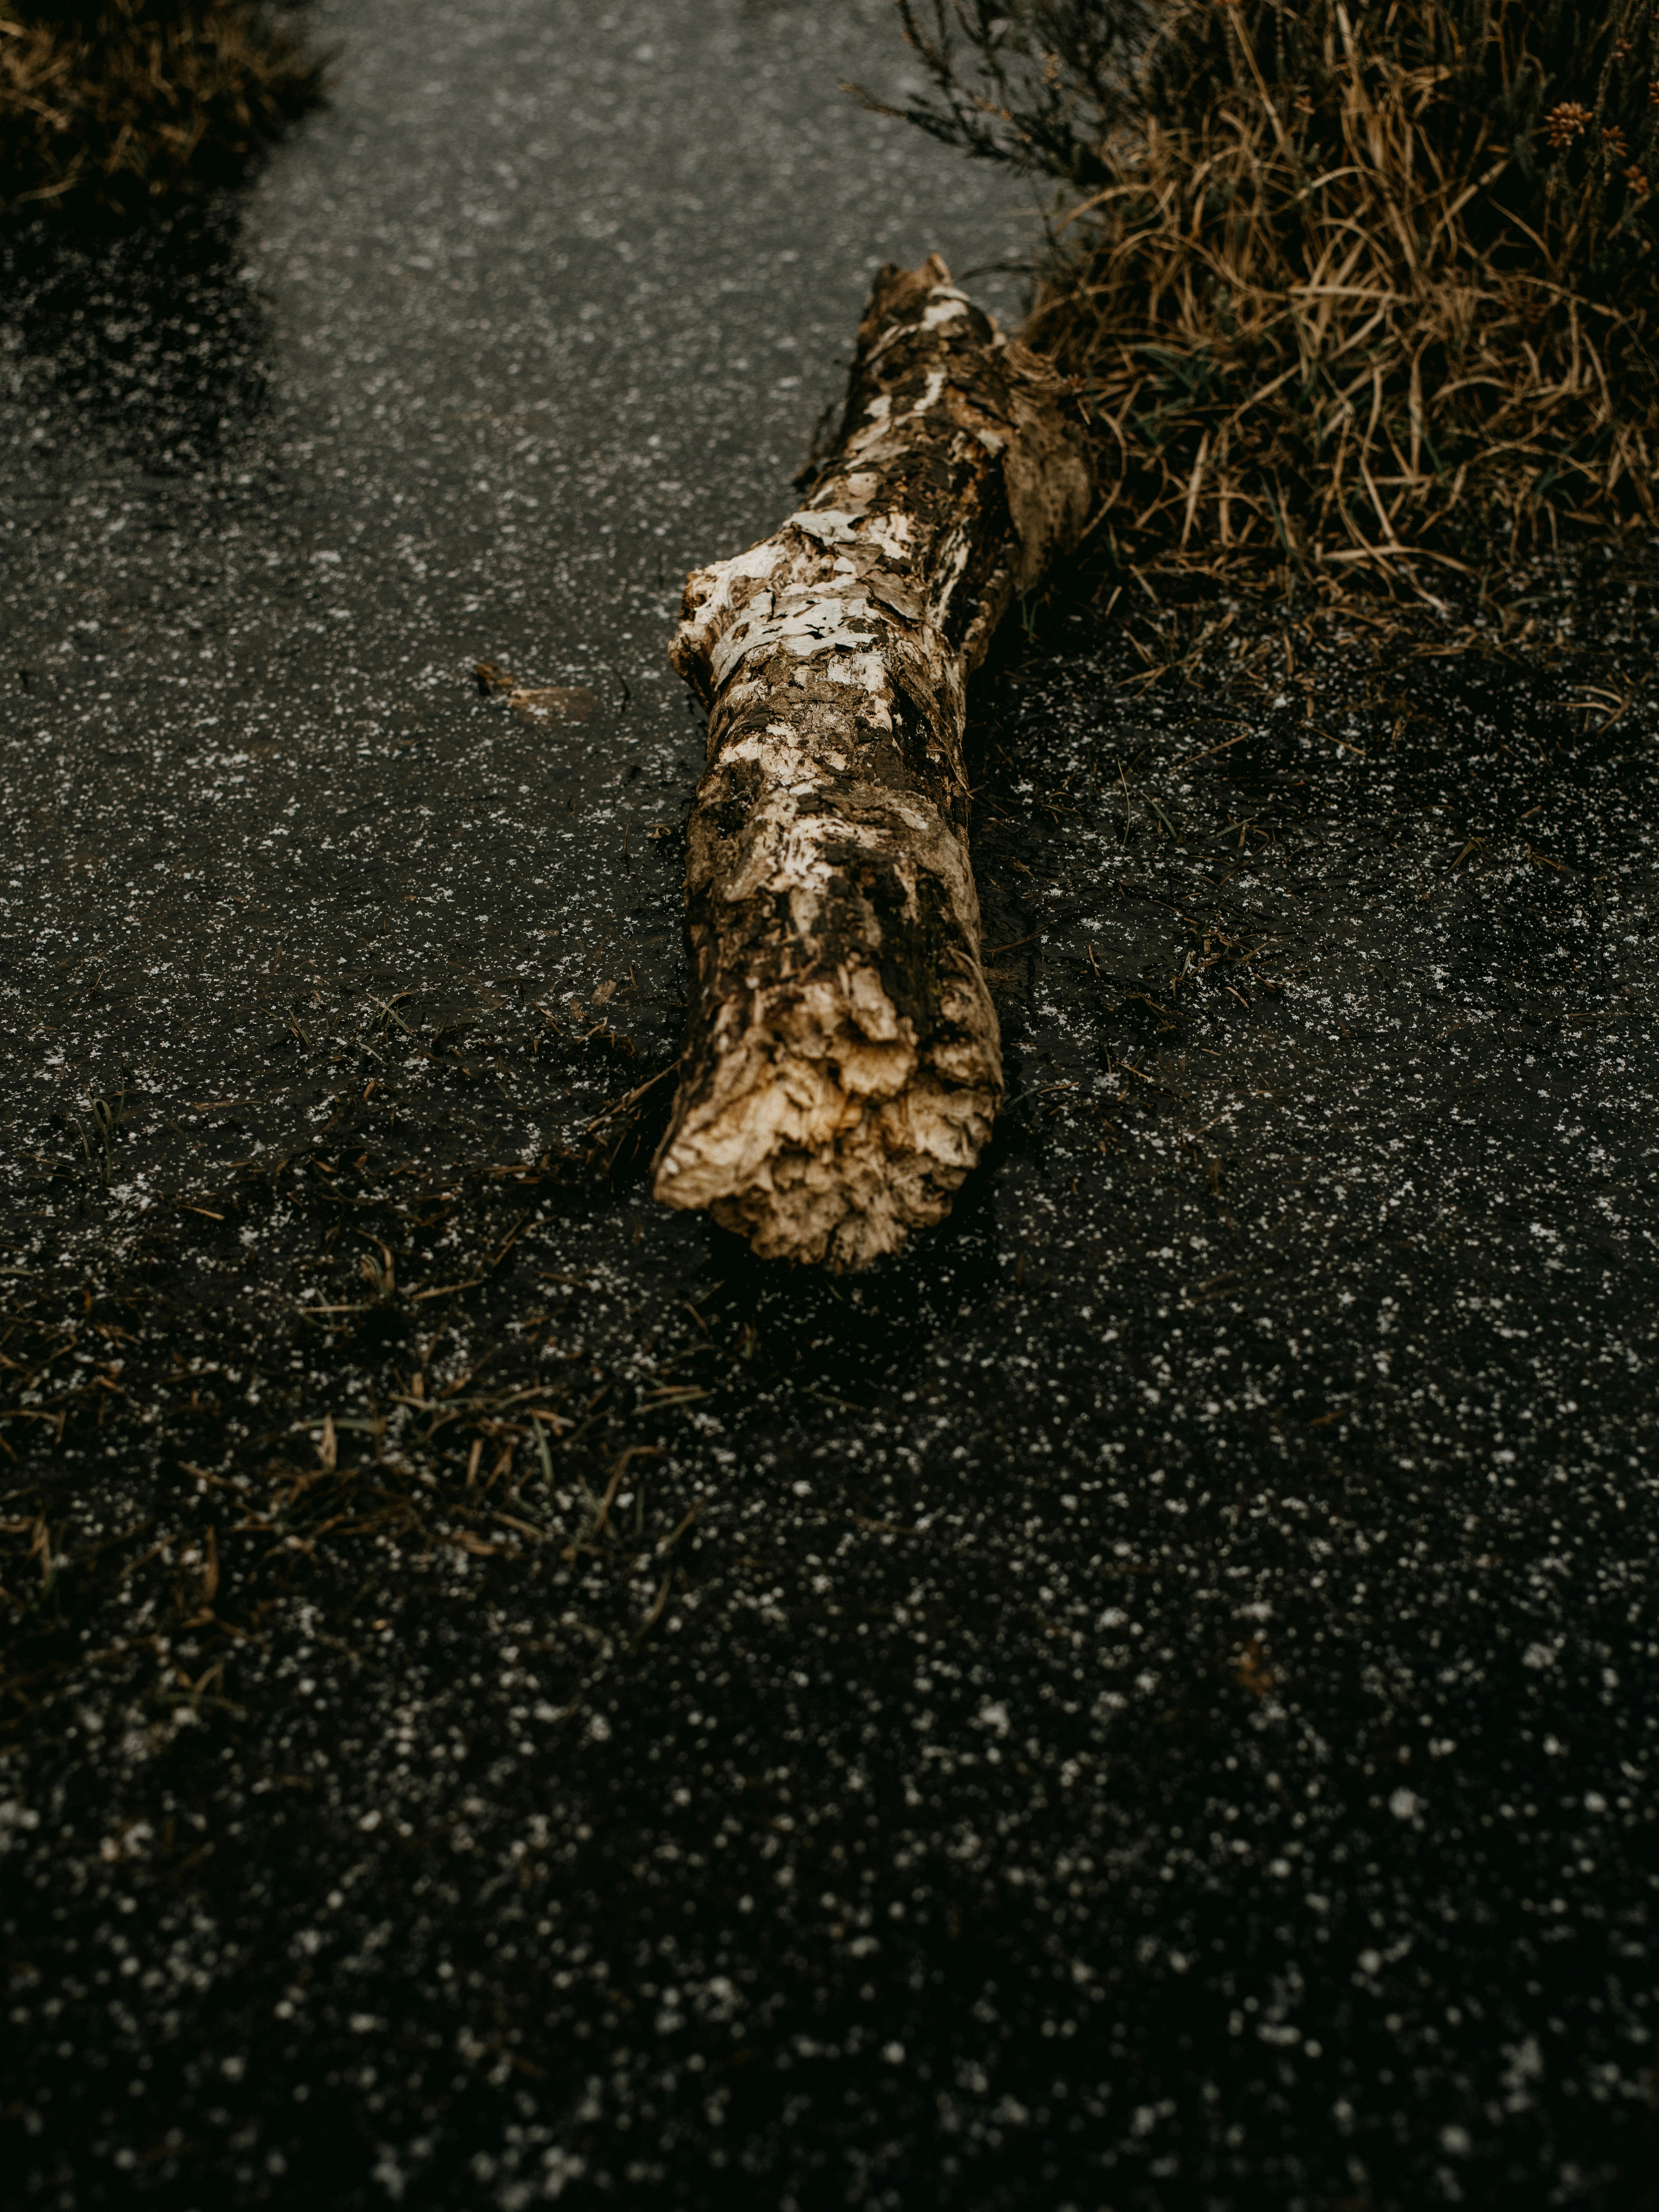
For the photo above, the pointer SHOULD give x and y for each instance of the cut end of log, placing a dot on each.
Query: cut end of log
(843, 1070)
(824, 1134)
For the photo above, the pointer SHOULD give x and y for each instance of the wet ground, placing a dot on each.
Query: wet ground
(1149, 1701)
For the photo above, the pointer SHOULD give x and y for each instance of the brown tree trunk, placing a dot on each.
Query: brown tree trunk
(843, 1067)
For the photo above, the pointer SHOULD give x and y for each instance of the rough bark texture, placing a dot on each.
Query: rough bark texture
(843, 1067)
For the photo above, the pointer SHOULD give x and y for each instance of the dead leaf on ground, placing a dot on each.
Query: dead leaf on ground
(559, 703)
(1252, 1668)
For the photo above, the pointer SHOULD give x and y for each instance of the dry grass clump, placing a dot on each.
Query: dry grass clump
(1353, 285)
(124, 102)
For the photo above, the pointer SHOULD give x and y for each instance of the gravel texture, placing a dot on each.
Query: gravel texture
(1146, 1703)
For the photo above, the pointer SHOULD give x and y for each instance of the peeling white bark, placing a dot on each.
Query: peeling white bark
(843, 1068)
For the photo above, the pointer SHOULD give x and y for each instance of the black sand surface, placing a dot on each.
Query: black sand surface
(1148, 1702)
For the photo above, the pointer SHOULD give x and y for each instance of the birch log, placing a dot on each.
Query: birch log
(843, 1067)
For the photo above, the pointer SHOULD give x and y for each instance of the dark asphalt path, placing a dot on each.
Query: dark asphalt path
(1148, 1702)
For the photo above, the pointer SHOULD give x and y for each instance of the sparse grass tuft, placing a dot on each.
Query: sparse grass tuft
(1352, 286)
(123, 103)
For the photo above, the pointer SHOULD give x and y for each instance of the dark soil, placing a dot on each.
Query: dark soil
(1148, 1702)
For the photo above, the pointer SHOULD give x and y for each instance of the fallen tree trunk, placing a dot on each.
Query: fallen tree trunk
(843, 1067)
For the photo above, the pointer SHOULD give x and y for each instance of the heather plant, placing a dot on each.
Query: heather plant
(1350, 286)
(120, 104)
